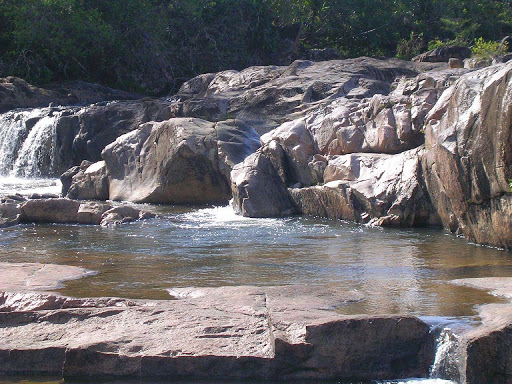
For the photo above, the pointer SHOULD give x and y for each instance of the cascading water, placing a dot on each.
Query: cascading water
(28, 142)
(446, 364)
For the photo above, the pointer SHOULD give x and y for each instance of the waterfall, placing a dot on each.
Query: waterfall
(28, 146)
(446, 363)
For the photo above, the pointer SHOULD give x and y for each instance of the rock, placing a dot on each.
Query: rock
(484, 352)
(265, 97)
(23, 277)
(228, 333)
(10, 214)
(90, 183)
(444, 54)
(93, 213)
(478, 62)
(50, 211)
(67, 211)
(17, 93)
(380, 189)
(177, 161)
(455, 63)
(468, 162)
(123, 214)
(258, 190)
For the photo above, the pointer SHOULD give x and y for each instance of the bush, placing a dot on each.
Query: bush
(488, 49)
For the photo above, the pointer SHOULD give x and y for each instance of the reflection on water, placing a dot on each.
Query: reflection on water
(399, 271)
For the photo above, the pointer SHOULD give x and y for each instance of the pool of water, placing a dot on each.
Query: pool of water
(398, 271)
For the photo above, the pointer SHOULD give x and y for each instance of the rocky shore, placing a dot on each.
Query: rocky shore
(379, 142)
(290, 332)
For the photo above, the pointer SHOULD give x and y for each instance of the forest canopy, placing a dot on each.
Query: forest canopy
(154, 45)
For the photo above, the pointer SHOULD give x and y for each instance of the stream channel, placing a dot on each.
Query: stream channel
(399, 271)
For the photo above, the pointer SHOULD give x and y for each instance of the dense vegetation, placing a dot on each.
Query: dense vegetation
(154, 45)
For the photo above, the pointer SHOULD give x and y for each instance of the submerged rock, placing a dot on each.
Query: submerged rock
(67, 211)
(232, 332)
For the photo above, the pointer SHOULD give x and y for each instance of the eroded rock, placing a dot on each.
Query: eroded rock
(177, 161)
(468, 162)
(230, 332)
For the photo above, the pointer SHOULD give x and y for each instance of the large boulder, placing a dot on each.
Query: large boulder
(182, 160)
(258, 191)
(370, 188)
(90, 182)
(468, 162)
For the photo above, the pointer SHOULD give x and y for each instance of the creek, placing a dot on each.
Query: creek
(398, 271)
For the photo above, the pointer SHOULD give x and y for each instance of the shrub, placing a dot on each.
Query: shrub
(488, 49)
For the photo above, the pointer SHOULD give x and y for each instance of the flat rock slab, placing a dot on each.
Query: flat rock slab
(37, 277)
(228, 332)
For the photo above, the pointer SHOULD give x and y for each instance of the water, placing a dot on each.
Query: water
(398, 271)
(28, 142)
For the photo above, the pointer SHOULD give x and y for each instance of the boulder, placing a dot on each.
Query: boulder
(122, 214)
(378, 189)
(50, 211)
(257, 189)
(93, 213)
(444, 54)
(67, 211)
(182, 160)
(90, 183)
(10, 213)
(468, 160)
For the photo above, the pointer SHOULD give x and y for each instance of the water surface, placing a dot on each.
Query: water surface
(398, 271)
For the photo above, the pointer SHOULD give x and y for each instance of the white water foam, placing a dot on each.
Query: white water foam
(28, 142)
(11, 185)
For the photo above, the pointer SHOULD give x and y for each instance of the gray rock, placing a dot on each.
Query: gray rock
(90, 183)
(10, 214)
(258, 190)
(444, 54)
(177, 161)
(378, 189)
(265, 97)
(123, 214)
(468, 162)
(50, 211)
(67, 211)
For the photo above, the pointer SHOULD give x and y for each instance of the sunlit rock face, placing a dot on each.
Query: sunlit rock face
(228, 332)
(182, 160)
(468, 159)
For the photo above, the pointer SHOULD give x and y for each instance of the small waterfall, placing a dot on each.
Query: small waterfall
(446, 361)
(28, 145)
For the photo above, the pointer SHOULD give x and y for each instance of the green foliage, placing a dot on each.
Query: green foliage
(407, 49)
(510, 184)
(155, 45)
(488, 49)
